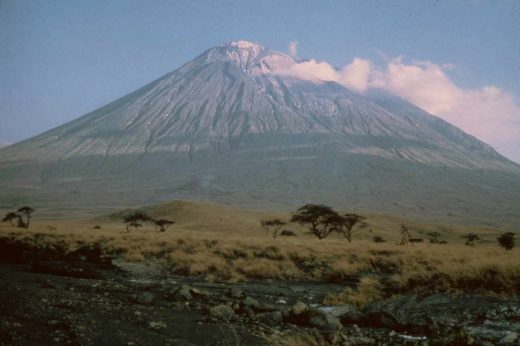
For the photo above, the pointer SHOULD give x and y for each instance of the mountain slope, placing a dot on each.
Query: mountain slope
(230, 126)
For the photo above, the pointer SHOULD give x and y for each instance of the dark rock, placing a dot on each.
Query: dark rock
(145, 298)
(348, 314)
(509, 338)
(429, 314)
(199, 294)
(247, 312)
(297, 314)
(235, 292)
(321, 320)
(360, 340)
(222, 312)
(183, 293)
(256, 306)
(250, 302)
(157, 325)
(298, 309)
(271, 319)
(382, 319)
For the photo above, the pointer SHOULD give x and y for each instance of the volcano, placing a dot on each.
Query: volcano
(231, 127)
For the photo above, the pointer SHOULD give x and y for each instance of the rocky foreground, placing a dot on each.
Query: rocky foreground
(84, 298)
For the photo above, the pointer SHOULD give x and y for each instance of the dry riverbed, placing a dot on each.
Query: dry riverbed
(86, 298)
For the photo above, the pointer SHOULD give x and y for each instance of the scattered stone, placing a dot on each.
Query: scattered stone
(360, 340)
(299, 308)
(271, 319)
(145, 298)
(183, 293)
(247, 311)
(321, 320)
(348, 314)
(510, 338)
(250, 302)
(235, 292)
(222, 312)
(281, 301)
(198, 293)
(47, 284)
(256, 306)
(157, 325)
(383, 319)
(297, 314)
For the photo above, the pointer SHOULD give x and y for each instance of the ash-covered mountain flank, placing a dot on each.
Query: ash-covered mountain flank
(230, 126)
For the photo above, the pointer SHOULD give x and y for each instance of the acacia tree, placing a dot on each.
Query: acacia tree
(133, 224)
(322, 220)
(471, 238)
(434, 237)
(345, 224)
(162, 224)
(9, 217)
(272, 226)
(27, 211)
(132, 220)
(507, 240)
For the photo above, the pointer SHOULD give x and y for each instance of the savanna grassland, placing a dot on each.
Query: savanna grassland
(218, 243)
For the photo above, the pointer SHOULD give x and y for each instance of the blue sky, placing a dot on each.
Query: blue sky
(61, 59)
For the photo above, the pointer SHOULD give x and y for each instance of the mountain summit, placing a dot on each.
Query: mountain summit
(252, 58)
(230, 126)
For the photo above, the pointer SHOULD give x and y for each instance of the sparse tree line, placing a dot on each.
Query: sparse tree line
(136, 219)
(322, 221)
(506, 240)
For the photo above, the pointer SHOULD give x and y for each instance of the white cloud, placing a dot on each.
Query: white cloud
(293, 49)
(312, 70)
(488, 113)
(356, 75)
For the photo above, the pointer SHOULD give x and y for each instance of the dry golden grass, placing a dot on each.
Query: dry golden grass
(201, 245)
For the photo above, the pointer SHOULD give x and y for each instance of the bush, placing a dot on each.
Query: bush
(378, 239)
(507, 240)
(471, 238)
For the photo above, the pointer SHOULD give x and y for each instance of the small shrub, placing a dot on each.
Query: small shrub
(507, 240)
(162, 224)
(378, 239)
(434, 237)
(287, 233)
(272, 226)
(471, 238)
